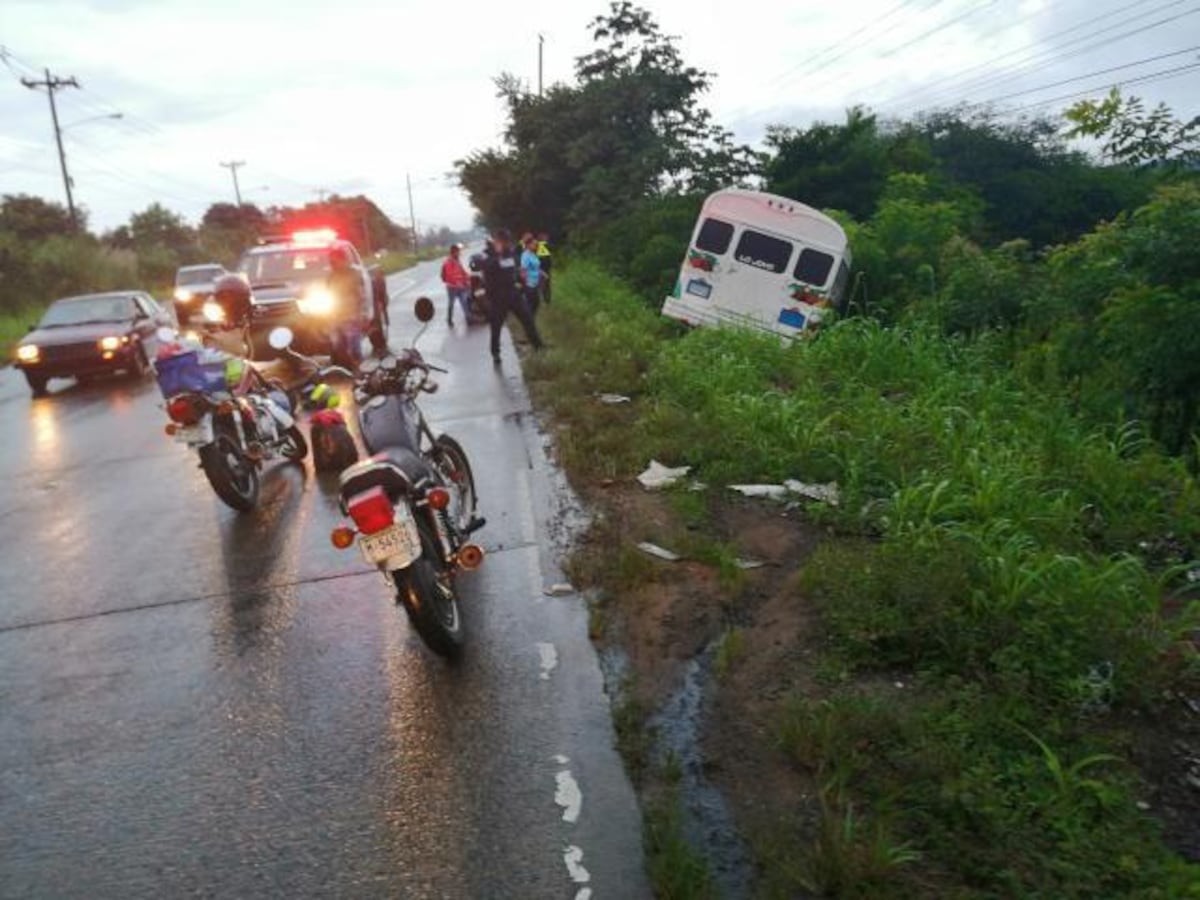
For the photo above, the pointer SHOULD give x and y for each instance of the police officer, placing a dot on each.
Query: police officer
(546, 255)
(345, 284)
(500, 280)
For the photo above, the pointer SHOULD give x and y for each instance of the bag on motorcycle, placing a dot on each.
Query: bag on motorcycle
(333, 446)
(184, 372)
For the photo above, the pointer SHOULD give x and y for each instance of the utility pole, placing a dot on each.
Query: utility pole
(411, 214)
(53, 83)
(541, 44)
(320, 192)
(233, 166)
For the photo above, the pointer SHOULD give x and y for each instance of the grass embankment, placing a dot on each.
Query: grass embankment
(395, 261)
(1010, 565)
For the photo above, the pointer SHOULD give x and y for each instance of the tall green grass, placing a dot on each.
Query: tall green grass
(1010, 569)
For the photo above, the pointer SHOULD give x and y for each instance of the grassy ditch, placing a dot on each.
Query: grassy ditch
(1021, 573)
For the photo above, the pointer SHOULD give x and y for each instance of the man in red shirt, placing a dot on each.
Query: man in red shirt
(458, 284)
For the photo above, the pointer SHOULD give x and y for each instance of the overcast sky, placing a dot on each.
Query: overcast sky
(349, 97)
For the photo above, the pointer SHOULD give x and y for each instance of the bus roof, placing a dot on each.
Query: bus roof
(789, 218)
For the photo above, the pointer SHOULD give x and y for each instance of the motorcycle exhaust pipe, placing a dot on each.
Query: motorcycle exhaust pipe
(470, 557)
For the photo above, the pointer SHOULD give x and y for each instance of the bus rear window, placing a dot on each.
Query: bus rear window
(813, 267)
(714, 236)
(763, 251)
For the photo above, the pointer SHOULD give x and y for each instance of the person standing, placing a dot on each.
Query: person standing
(500, 281)
(547, 258)
(458, 284)
(350, 308)
(531, 273)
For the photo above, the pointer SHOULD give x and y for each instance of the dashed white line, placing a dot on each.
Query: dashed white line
(568, 796)
(573, 857)
(549, 659)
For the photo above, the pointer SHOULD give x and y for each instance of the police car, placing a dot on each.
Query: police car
(288, 277)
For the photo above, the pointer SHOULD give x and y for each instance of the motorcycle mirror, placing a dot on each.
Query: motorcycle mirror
(424, 309)
(165, 334)
(280, 338)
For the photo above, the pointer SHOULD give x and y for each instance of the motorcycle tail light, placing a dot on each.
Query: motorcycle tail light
(438, 497)
(371, 510)
(342, 537)
(183, 410)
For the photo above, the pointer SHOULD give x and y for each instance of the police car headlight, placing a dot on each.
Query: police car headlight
(316, 302)
(214, 312)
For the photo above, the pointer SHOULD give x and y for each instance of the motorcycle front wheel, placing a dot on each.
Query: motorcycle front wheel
(428, 597)
(232, 475)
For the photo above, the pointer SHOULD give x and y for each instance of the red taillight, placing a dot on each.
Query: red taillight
(438, 497)
(371, 510)
(183, 410)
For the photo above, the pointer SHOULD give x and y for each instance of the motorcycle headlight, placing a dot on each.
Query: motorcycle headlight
(214, 312)
(316, 302)
(28, 353)
(182, 294)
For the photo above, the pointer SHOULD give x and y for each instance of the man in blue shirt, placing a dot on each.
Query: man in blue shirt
(531, 273)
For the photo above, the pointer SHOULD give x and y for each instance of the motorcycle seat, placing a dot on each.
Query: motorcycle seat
(395, 470)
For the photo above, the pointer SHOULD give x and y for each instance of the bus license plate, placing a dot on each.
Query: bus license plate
(700, 289)
(398, 545)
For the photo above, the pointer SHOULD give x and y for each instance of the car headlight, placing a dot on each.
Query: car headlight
(214, 312)
(111, 343)
(29, 353)
(316, 302)
(183, 294)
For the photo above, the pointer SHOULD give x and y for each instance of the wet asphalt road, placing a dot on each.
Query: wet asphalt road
(196, 703)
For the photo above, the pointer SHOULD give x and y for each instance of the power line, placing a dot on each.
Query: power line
(995, 59)
(1161, 75)
(1054, 84)
(1053, 56)
(823, 58)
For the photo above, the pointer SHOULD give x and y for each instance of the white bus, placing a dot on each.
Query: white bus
(762, 262)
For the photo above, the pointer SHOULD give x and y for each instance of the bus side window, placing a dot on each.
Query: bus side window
(763, 251)
(714, 237)
(813, 267)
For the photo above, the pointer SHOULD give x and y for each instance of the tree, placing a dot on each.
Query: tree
(1132, 134)
(631, 127)
(32, 218)
(831, 166)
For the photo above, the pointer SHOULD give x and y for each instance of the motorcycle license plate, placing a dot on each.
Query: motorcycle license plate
(200, 433)
(398, 545)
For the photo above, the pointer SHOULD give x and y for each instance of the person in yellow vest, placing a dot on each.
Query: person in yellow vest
(546, 257)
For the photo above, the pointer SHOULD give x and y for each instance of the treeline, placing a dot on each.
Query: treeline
(43, 257)
(960, 216)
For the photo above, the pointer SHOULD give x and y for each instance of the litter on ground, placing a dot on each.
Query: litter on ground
(659, 552)
(562, 589)
(612, 399)
(659, 476)
(747, 564)
(825, 493)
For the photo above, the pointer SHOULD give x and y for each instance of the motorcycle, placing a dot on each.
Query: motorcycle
(235, 419)
(413, 504)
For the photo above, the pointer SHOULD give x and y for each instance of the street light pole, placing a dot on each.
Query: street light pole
(232, 166)
(541, 45)
(412, 216)
(53, 83)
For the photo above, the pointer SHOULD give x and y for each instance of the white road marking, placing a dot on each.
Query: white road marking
(573, 857)
(549, 657)
(562, 760)
(584, 894)
(568, 796)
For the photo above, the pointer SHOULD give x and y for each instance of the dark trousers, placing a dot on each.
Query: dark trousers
(533, 297)
(500, 308)
(544, 287)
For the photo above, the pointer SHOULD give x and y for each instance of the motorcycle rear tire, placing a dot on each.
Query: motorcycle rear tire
(432, 606)
(239, 493)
